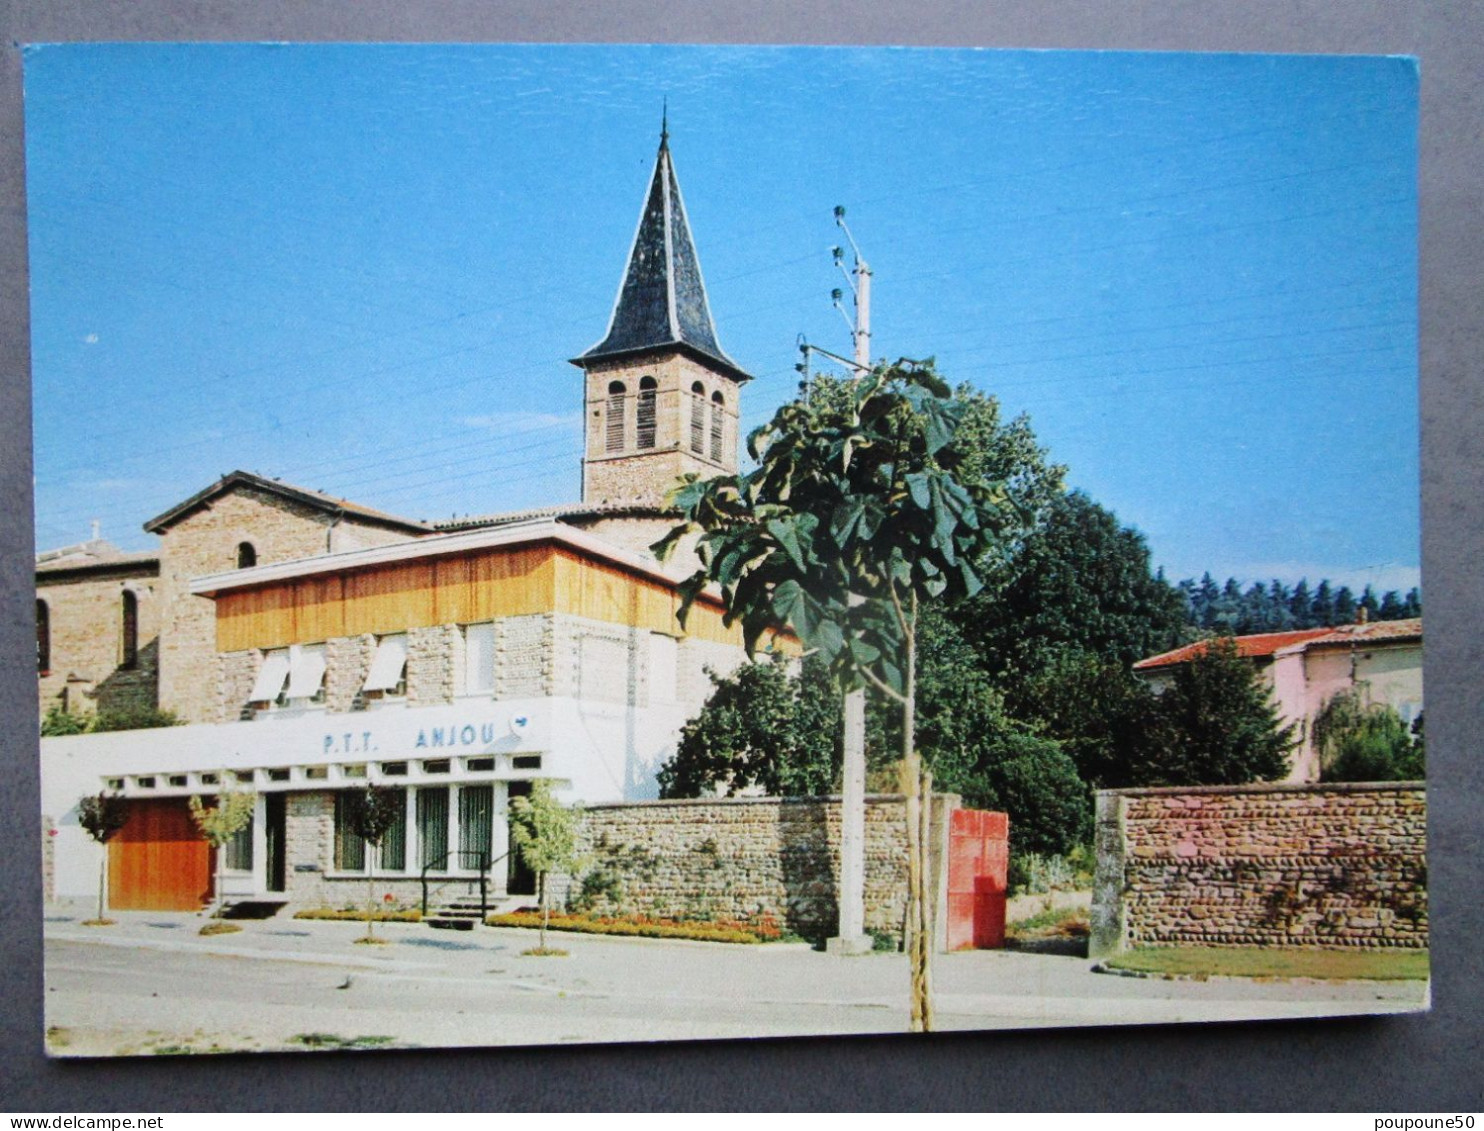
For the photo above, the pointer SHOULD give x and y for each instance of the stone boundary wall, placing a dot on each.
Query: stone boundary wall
(1332, 865)
(748, 857)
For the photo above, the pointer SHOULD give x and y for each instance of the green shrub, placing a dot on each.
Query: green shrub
(1361, 741)
(59, 722)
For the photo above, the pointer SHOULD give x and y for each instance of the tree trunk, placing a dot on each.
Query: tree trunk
(370, 896)
(544, 911)
(919, 949)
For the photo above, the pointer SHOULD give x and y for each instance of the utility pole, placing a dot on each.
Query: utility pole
(852, 937)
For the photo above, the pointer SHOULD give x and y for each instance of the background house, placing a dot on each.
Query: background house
(1306, 669)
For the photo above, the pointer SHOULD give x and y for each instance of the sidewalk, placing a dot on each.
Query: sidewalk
(153, 982)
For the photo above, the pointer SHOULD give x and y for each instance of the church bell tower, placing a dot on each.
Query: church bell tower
(661, 398)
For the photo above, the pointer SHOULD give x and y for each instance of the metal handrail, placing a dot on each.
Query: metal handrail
(485, 864)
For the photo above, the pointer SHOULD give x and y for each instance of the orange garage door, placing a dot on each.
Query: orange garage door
(158, 861)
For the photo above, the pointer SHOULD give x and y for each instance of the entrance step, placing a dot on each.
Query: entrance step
(463, 913)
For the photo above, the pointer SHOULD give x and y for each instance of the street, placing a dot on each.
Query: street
(152, 984)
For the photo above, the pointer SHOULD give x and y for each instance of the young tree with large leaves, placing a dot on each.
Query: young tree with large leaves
(862, 508)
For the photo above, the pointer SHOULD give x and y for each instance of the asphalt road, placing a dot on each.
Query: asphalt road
(152, 983)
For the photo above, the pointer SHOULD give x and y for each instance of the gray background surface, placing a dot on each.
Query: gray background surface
(1421, 1063)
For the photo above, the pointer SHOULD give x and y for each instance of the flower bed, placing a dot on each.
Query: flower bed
(764, 929)
(358, 915)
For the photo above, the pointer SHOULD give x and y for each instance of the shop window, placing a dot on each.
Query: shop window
(244, 777)
(644, 432)
(146, 782)
(388, 674)
(316, 773)
(718, 415)
(432, 829)
(526, 761)
(355, 770)
(114, 783)
(177, 781)
(479, 765)
(393, 853)
(350, 849)
(239, 850)
(614, 433)
(247, 555)
(130, 612)
(43, 638)
(698, 418)
(394, 769)
(278, 774)
(479, 659)
(476, 824)
(208, 779)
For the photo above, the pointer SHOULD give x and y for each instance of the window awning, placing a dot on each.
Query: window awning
(271, 675)
(306, 672)
(388, 664)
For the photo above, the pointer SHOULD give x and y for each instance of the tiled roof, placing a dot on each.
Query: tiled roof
(1373, 632)
(560, 512)
(1261, 644)
(317, 499)
(1270, 643)
(96, 554)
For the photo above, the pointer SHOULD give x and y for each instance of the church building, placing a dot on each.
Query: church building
(312, 645)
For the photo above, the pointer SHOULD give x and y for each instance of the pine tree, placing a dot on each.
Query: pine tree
(1301, 605)
(1344, 606)
(1280, 619)
(1324, 605)
(1370, 603)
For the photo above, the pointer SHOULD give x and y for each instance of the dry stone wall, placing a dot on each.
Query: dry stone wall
(1267, 865)
(748, 857)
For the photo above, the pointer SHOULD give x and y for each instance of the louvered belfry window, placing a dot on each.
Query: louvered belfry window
(615, 437)
(645, 429)
(718, 414)
(698, 418)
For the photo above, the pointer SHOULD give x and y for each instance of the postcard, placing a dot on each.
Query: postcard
(549, 544)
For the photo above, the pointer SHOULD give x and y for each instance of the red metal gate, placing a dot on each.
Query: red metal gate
(978, 867)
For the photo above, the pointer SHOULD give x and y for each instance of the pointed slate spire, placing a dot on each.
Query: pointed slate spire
(662, 302)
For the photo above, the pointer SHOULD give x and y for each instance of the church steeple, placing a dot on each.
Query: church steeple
(662, 302)
(661, 397)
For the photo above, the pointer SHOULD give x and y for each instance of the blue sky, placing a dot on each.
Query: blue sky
(362, 269)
